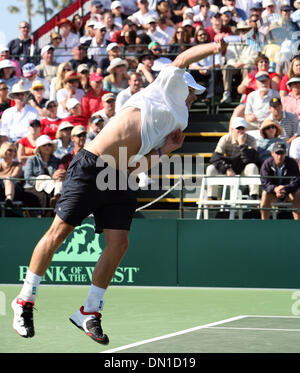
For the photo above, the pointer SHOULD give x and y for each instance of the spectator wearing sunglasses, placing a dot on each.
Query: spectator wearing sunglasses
(281, 188)
(269, 135)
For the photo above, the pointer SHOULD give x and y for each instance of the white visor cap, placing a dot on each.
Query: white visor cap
(190, 81)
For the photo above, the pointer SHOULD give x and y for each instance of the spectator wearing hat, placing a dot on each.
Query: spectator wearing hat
(109, 107)
(117, 13)
(269, 131)
(27, 144)
(238, 14)
(135, 83)
(97, 48)
(47, 69)
(80, 58)
(71, 89)
(113, 51)
(117, 80)
(92, 101)
(143, 13)
(5, 102)
(5, 55)
(155, 35)
(269, 15)
(78, 136)
(9, 169)
(69, 39)
(30, 74)
(96, 124)
(291, 102)
(217, 27)
(286, 21)
(159, 60)
(41, 175)
(15, 120)
(76, 118)
(50, 123)
(258, 101)
(287, 121)
(189, 25)
(63, 141)
(8, 73)
(96, 10)
(36, 97)
(22, 48)
(89, 33)
(281, 188)
(239, 60)
(293, 71)
(227, 18)
(146, 62)
(235, 154)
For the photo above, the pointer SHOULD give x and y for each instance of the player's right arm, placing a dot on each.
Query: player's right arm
(197, 53)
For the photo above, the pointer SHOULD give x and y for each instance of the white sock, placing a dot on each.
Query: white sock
(94, 301)
(29, 290)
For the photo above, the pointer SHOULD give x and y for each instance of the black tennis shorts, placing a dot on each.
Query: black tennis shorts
(112, 209)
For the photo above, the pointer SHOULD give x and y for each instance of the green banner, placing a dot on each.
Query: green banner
(164, 252)
(74, 261)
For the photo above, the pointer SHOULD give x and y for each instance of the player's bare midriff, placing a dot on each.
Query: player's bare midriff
(123, 130)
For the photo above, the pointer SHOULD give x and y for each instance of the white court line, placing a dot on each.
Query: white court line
(264, 329)
(173, 334)
(270, 317)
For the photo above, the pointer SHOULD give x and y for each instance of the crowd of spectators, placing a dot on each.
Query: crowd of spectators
(55, 97)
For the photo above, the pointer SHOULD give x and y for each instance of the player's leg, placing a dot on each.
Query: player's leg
(87, 317)
(40, 261)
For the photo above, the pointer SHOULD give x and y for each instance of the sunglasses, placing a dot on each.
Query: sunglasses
(73, 81)
(240, 128)
(270, 127)
(81, 135)
(51, 106)
(11, 150)
(280, 152)
(4, 89)
(46, 145)
(157, 49)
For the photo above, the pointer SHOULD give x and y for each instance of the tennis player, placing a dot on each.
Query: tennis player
(150, 123)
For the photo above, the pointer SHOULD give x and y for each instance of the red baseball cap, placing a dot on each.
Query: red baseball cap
(96, 77)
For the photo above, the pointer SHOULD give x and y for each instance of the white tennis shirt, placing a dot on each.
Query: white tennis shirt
(163, 108)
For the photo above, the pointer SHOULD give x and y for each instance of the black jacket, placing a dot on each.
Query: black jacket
(290, 168)
(245, 156)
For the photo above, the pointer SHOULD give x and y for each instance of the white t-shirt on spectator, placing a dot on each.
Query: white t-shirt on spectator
(141, 18)
(260, 105)
(159, 37)
(14, 123)
(62, 95)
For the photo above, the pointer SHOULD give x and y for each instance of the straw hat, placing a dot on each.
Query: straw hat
(267, 123)
(116, 62)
